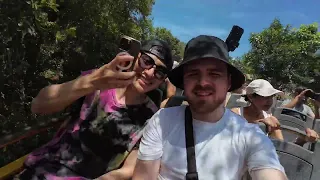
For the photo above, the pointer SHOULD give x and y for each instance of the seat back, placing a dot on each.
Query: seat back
(235, 101)
(276, 104)
(179, 92)
(298, 162)
(175, 101)
(293, 118)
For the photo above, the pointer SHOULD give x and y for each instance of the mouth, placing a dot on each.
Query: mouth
(143, 81)
(202, 93)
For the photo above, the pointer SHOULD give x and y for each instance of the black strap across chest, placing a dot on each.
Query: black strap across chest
(192, 173)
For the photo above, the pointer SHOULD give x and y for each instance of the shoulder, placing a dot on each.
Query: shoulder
(168, 118)
(171, 114)
(308, 110)
(173, 111)
(307, 107)
(234, 117)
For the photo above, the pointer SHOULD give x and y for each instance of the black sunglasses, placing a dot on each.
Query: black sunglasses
(146, 62)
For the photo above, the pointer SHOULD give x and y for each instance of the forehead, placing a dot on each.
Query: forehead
(207, 64)
(156, 60)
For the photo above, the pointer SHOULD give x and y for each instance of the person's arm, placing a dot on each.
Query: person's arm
(171, 89)
(55, 98)
(150, 151)
(276, 134)
(125, 172)
(291, 104)
(310, 112)
(146, 170)
(312, 136)
(295, 100)
(262, 156)
(163, 103)
(273, 125)
(268, 174)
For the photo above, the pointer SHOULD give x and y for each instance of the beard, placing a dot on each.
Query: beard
(208, 105)
(205, 106)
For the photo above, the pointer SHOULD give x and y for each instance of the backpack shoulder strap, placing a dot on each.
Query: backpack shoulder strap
(192, 173)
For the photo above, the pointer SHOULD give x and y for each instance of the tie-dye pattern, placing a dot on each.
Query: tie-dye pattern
(92, 147)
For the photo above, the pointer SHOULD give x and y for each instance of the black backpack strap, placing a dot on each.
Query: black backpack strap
(192, 173)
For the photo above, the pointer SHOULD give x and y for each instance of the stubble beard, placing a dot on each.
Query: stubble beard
(205, 106)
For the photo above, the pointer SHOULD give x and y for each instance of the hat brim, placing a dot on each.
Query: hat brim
(176, 75)
(270, 93)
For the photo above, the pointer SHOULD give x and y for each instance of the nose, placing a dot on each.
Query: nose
(203, 80)
(149, 72)
(269, 99)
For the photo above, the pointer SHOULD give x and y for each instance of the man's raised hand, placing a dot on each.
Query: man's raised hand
(108, 76)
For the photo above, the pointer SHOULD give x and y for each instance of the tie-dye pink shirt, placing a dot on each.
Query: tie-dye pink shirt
(95, 144)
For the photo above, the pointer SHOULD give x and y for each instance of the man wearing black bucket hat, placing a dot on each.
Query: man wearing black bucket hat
(225, 145)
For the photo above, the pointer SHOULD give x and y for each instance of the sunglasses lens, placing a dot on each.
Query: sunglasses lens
(160, 74)
(146, 62)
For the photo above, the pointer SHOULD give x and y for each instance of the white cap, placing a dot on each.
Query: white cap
(262, 88)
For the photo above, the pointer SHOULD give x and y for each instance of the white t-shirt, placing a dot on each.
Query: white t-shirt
(224, 150)
(303, 108)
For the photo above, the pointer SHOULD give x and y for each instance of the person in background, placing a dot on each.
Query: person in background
(235, 99)
(111, 121)
(298, 103)
(317, 108)
(225, 144)
(260, 94)
(171, 90)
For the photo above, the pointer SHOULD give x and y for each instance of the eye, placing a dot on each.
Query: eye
(214, 74)
(147, 60)
(190, 74)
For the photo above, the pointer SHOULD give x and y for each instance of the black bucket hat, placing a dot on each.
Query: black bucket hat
(202, 47)
(159, 48)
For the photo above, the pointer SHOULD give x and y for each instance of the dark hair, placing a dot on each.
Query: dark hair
(246, 97)
(299, 89)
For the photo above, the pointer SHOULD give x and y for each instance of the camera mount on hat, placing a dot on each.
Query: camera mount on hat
(234, 37)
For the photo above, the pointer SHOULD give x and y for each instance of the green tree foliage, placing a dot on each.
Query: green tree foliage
(240, 64)
(285, 55)
(51, 41)
(175, 43)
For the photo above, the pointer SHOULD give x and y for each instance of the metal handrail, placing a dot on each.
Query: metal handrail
(30, 131)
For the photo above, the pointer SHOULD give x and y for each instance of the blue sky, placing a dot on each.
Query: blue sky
(189, 18)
